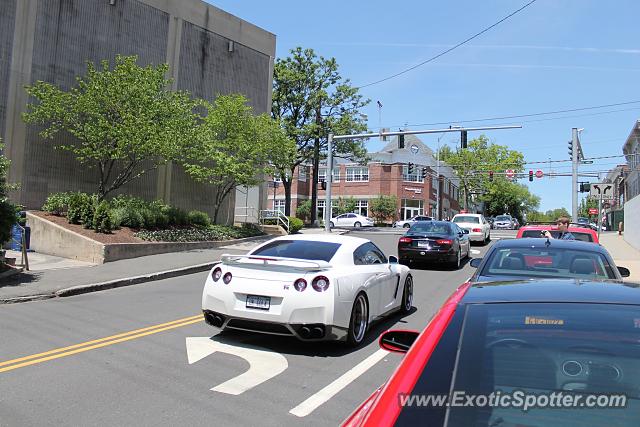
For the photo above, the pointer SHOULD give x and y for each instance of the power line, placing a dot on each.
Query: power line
(433, 58)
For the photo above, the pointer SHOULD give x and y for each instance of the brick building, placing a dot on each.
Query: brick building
(386, 174)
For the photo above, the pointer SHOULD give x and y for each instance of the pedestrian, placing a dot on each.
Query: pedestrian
(563, 227)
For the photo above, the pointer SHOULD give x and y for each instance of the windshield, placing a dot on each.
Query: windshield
(430, 228)
(548, 262)
(299, 249)
(585, 237)
(537, 349)
(503, 218)
(473, 219)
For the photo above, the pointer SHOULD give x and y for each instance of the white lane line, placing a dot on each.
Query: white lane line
(316, 400)
(475, 251)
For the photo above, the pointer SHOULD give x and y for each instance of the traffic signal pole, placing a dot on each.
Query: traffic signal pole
(332, 137)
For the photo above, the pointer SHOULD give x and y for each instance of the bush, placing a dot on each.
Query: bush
(127, 217)
(7, 219)
(199, 218)
(295, 224)
(81, 208)
(57, 203)
(303, 211)
(211, 233)
(103, 219)
(176, 216)
(88, 210)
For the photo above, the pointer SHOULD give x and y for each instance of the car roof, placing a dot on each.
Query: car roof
(325, 237)
(553, 290)
(540, 242)
(469, 214)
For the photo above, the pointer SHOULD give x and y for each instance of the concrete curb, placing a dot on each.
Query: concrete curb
(111, 284)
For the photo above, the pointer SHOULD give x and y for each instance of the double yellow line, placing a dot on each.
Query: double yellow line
(57, 353)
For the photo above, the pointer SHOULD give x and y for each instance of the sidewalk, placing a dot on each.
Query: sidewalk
(53, 276)
(623, 254)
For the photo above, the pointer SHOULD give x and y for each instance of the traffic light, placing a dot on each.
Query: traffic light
(570, 148)
(463, 139)
(400, 140)
(585, 187)
(410, 168)
(490, 175)
(424, 173)
(530, 175)
(323, 185)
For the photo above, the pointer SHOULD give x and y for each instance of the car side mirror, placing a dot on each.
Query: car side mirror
(397, 341)
(393, 259)
(465, 231)
(624, 271)
(475, 263)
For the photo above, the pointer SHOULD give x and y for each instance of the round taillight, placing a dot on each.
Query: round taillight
(217, 273)
(300, 285)
(320, 283)
(227, 278)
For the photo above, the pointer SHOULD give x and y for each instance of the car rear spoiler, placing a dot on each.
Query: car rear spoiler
(260, 262)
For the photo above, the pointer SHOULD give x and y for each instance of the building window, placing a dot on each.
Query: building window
(322, 174)
(278, 205)
(302, 173)
(357, 174)
(362, 207)
(411, 208)
(416, 176)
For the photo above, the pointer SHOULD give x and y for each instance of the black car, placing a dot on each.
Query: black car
(438, 241)
(514, 259)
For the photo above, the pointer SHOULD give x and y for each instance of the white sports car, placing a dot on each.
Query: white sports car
(313, 287)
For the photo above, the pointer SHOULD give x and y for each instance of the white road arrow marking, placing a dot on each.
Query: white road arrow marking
(313, 402)
(263, 365)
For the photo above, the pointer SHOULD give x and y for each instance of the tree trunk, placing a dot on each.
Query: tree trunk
(314, 183)
(287, 196)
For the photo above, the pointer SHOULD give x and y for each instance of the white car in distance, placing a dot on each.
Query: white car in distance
(312, 287)
(351, 220)
(407, 223)
(479, 228)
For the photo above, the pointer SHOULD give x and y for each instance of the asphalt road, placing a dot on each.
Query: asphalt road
(119, 357)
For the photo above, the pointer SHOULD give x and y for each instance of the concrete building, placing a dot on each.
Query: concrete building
(631, 150)
(386, 174)
(209, 52)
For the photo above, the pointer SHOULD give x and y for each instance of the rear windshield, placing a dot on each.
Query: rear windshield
(548, 262)
(299, 249)
(473, 219)
(585, 237)
(503, 218)
(541, 349)
(430, 228)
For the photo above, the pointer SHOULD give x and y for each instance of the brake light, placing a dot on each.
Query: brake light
(300, 285)
(444, 242)
(217, 273)
(227, 278)
(320, 284)
(406, 240)
(477, 230)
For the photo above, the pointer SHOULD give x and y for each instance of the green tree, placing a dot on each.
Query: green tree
(344, 205)
(7, 209)
(554, 214)
(311, 100)
(585, 205)
(383, 208)
(303, 211)
(504, 196)
(472, 165)
(235, 148)
(124, 120)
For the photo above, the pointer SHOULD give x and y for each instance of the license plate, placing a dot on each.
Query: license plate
(261, 303)
(423, 245)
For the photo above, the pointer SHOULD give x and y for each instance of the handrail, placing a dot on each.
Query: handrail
(272, 214)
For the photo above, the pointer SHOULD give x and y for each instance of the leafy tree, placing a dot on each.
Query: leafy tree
(506, 196)
(124, 120)
(7, 209)
(585, 204)
(303, 211)
(345, 205)
(472, 165)
(234, 148)
(311, 100)
(383, 208)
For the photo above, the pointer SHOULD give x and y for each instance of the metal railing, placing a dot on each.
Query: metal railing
(274, 216)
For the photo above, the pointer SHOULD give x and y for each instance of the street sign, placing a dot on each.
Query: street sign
(539, 174)
(593, 211)
(602, 190)
(509, 173)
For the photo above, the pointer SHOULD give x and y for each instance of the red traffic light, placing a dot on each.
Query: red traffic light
(530, 175)
(490, 175)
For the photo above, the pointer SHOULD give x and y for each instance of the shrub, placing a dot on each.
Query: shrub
(57, 203)
(199, 218)
(7, 219)
(211, 233)
(176, 216)
(149, 218)
(127, 217)
(295, 224)
(80, 208)
(103, 218)
(303, 211)
(88, 210)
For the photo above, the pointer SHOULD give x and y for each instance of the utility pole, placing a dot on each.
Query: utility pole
(329, 179)
(574, 174)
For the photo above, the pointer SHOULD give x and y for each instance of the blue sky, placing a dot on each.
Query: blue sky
(554, 55)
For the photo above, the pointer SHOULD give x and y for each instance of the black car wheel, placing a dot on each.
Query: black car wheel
(407, 226)
(407, 295)
(456, 262)
(331, 225)
(357, 224)
(359, 321)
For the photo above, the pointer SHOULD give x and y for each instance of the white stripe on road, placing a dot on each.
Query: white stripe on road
(315, 401)
(475, 251)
